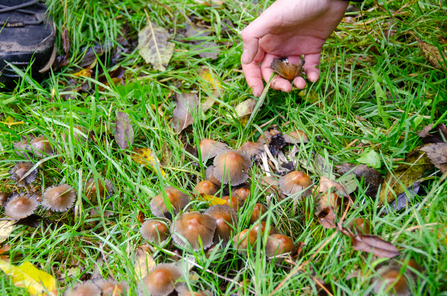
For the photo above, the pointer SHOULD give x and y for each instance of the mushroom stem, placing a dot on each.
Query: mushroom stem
(272, 159)
(265, 165)
(282, 158)
(27, 189)
(294, 151)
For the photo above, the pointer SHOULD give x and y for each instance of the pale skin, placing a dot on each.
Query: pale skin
(288, 28)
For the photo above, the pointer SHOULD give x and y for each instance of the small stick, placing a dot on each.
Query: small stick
(105, 260)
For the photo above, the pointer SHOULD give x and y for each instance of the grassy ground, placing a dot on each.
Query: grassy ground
(339, 114)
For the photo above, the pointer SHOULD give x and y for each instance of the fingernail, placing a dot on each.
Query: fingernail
(245, 57)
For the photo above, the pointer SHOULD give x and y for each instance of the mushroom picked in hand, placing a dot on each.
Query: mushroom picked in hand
(163, 279)
(197, 229)
(296, 182)
(231, 167)
(20, 206)
(287, 71)
(177, 198)
(154, 231)
(226, 222)
(59, 198)
(22, 175)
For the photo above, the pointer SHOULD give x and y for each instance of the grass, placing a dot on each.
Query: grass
(341, 113)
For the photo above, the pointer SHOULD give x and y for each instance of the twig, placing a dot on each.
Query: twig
(105, 260)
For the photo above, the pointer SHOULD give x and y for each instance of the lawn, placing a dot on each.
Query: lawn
(376, 92)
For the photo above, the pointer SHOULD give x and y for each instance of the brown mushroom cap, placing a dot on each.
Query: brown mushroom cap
(278, 244)
(231, 166)
(183, 291)
(258, 211)
(210, 148)
(84, 289)
(206, 187)
(20, 206)
(179, 200)
(209, 175)
(161, 280)
(295, 182)
(327, 199)
(262, 226)
(233, 202)
(252, 149)
(360, 225)
(194, 227)
(22, 148)
(112, 288)
(4, 197)
(20, 170)
(211, 249)
(243, 240)
(226, 222)
(41, 146)
(104, 190)
(242, 191)
(154, 231)
(391, 279)
(59, 198)
(296, 137)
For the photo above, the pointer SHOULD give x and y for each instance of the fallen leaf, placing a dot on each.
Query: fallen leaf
(375, 245)
(403, 199)
(63, 60)
(143, 263)
(370, 158)
(416, 163)
(326, 184)
(141, 217)
(244, 110)
(154, 47)
(186, 103)
(124, 131)
(87, 72)
(208, 50)
(437, 153)
(437, 134)
(432, 54)
(210, 80)
(36, 281)
(5, 249)
(370, 176)
(349, 181)
(326, 217)
(6, 228)
(209, 101)
(213, 200)
(145, 157)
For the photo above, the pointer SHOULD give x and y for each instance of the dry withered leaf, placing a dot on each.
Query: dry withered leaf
(6, 228)
(326, 184)
(143, 263)
(63, 60)
(437, 153)
(432, 54)
(154, 47)
(403, 199)
(437, 134)
(327, 218)
(416, 163)
(186, 103)
(370, 176)
(375, 245)
(145, 157)
(244, 110)
(124, 131)
(141, 217)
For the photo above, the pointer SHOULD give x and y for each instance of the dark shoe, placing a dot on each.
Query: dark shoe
(27, 37)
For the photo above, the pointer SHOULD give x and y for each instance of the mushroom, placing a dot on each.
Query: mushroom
(161, 280)
(392, 280)
(233, 202)
(262, 226)
(296, 182)
(231, 166)
(252, 149)
(154, 231)
(210, 148)
(112, 288)
(296, 137)
(209, 176)
(243, 240)
(19, 171)
(84, 289)
(242, 191)
(360, 225)
(258, 210)
(206, 187)
(21, 148)
(4, 197)
(226, 222)
(268, 135)
(178, 200)
(194, 228)
(103, 189)
(40, 146)
(183, 291)
(20, 206)
(278, 244)
(59, 198)
(287, 71)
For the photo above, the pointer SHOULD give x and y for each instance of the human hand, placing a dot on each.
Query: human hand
(288, 28)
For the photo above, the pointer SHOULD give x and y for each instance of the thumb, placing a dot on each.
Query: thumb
(251, 35)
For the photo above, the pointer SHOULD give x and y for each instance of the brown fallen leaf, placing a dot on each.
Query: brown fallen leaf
(375, 245)
(143, 263)
(432, 54)
(326, 184)
(437, 153)
(63, 60)
(154, 47)
(414, 166)
(327, 218)
(244, 110)
(370, 176)
(437, 134)
(124, 132)
(141, 217)
(186, 103)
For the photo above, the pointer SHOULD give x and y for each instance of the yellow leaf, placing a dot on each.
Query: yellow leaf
(209, 79)
(6, 228)
(145, 157)
(9, 121)
(36, 281)
(143, 263)
(213, 199)
(87, 72)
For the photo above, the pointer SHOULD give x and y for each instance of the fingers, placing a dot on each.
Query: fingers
(299, 81)
(312, 60)
(252, 73)
(278, 82)
(251, 35)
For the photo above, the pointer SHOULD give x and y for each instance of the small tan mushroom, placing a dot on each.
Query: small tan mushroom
(278, 244)
(262, 226)
(161, 280)
(241, 191)
(233, 202)
(154, 231)
(226, 222)
(112, 288)
(19, 171)
(41, 146)
(20, 206)
(296, 137)
(209, 175)
(360, 225)
(104, 190)
(84, 289)
(210, 148)
(59, 198)
(179, 200)
(244, 240)
(258, 211)
(296, 182)
(252, 149)
(392, 280)
(195, 228)
(231, 166)
(206, 187)
(4, 197)
(22, 148)
(183, 291)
